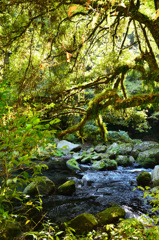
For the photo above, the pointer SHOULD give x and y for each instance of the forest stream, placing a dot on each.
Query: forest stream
(97, 190)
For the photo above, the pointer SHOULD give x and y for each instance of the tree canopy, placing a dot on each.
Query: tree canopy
(74, 57)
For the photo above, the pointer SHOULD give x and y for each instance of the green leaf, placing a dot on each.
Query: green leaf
(15, 179)
(9, 181)
(26, 175)
(56, 120)
(36, 121)
(28, 126)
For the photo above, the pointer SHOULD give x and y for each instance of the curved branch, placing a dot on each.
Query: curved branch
(137, 101)
(93, 109)
(127, 30)
(152, 25)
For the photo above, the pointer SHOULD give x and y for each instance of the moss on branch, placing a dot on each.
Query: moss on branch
(93, 109)
(137, 101)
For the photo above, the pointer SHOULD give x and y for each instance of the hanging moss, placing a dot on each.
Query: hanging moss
(102, 127)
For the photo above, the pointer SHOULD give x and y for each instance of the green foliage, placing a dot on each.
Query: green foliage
(120, 136)
(49, 231)
(129, 117)
(154, 195)
(21, 134)
(91, 128)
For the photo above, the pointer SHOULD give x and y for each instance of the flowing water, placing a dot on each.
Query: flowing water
(96, 191)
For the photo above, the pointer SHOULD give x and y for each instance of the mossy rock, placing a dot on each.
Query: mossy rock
(119, 149)
(111, 164)
(144, 146)
(86, 159)
(100, 148)
(147, 162)
(68, 188)
(98, 165)
(83, 223)
(90, 150)
(155, 176)
(72, 164)
(144, 179)
(43, 186)
(125, 160)
(77, 156)
(110, 215)
(148, 158)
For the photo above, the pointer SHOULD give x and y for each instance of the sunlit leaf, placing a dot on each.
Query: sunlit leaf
(157, 14)
(28, 126)
(36, 121)
(15, 179)
(68, 56)
(56, 120)
(71, 9)
(9, 181)
(88, 2)
(28, 221)
(122, 4)
(42, 66)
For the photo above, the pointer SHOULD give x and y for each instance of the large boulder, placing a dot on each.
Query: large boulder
(125, 161)
(141, 147)
(110, 164)
(43, 186)
(110, 215)
(155, 176)
(144, 179)
(119, 149)
(149, 158)
(112, 150)
(83, 223)
(67, 146)
(98, 165)
(100, 148)
(68, 188)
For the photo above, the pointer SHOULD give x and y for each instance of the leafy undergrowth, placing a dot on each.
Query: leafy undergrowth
(128, 229)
